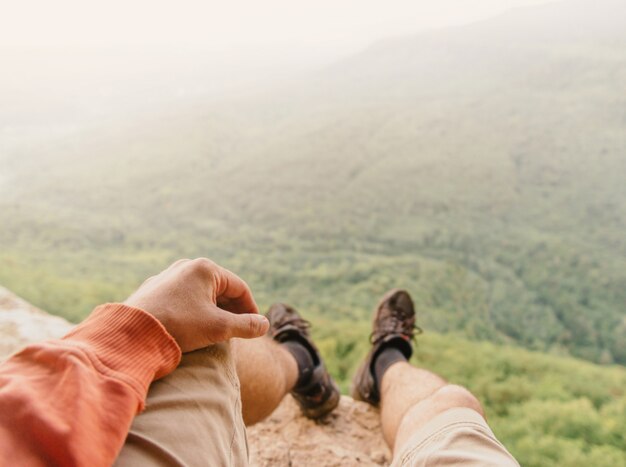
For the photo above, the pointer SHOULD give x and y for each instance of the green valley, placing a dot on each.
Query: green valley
(482, 168)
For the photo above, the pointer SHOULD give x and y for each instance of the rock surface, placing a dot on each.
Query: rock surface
(350, 436)
(22, 323)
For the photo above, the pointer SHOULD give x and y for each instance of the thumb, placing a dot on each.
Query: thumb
(248, 325)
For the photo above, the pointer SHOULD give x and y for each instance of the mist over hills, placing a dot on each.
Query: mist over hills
(482, 167)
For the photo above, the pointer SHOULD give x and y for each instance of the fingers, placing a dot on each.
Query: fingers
(229, 291)
(232, 293)
(247, 326)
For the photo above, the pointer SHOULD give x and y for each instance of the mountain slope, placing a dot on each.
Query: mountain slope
(480, 167)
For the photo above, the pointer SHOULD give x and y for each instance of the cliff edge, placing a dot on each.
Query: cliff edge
(22, 323)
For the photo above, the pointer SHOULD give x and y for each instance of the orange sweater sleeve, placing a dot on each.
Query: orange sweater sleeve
(71, 401)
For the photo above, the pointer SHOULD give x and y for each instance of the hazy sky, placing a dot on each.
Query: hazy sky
(236, 43)
(228, 24)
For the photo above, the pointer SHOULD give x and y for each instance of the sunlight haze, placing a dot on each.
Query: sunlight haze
(59, 50)
(347, 24)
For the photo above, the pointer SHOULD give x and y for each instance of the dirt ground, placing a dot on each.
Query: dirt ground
(350, 436)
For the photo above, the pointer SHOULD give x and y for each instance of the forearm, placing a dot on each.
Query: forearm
(71, 401)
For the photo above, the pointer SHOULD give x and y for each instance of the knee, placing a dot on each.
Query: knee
(452, 396)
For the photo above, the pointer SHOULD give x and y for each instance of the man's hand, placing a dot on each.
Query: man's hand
(200, 303)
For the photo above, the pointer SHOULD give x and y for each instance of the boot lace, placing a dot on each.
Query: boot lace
(395, 324)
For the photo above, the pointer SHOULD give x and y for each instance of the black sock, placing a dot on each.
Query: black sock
(387, 357)
(304, 359)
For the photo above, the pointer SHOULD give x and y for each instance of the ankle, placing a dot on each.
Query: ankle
(387, 357)
(304, 360)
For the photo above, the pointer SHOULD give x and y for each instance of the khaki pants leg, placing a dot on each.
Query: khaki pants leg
(192, 416)
(455, 437)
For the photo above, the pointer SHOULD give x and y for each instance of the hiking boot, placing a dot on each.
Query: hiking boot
(316, 393)
(393, 325)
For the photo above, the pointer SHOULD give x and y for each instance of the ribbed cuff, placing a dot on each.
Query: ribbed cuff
(130, 343)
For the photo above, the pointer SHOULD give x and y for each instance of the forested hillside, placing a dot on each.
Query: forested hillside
(481, 167)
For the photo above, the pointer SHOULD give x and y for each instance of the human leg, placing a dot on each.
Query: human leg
(198, 413)
(286, 360)
(444, 428)
(267, 372)
(425, 420)
(411, 397)
(314, 390)
(192, 416)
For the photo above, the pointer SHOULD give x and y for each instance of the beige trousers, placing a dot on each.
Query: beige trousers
(192, 416)
(456, 437)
